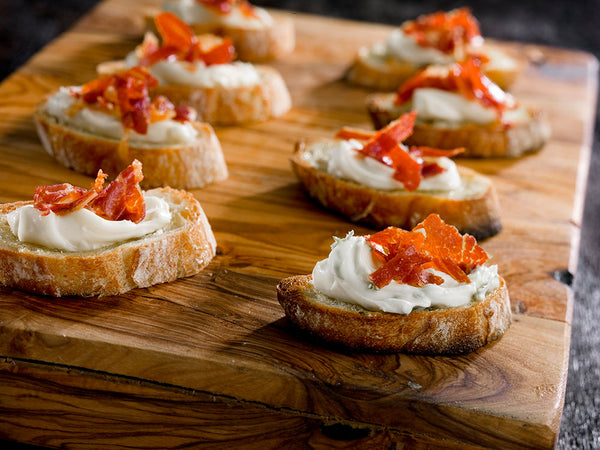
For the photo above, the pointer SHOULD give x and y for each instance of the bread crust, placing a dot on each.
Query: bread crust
(251, 45)
(183, 166)
(184, 249)
(389, 75)
(443, 331)
(220, 105)
(496, 140)
(478, 215)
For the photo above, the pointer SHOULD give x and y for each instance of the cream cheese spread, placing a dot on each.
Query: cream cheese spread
(436, 104)
(96, 122)
(83, 230)
(191, 12)
(198, 74)
(401, 46)
(344, 276)
(447, 108)
(341, 160)
(404, 48)
(450, 109)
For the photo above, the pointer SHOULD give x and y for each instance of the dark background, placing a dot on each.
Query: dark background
(26, 25)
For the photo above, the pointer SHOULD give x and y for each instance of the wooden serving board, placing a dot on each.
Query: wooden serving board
(211, 359)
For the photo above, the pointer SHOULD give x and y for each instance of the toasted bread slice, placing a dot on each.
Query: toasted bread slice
(475, 210)
(479, 141)
(183, 166)
(434, 331)
(253, 45)
(182, 249)
(221, 105)
(386, 74)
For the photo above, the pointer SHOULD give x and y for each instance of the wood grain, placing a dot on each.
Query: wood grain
(210, 359)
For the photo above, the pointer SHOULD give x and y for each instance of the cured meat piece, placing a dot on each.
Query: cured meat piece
(443, 241)
(407, 266)
(386, 147)
(122, 199)
(465, 78)
(446, 32)
(64, 198)
(385, 242)
(406, 256)
(124, 94)
(179, 42)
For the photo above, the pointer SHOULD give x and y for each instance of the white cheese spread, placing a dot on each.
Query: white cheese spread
(403, 47)
(344, 276)
(439, 105)
(450, 109)
(198, 74)
(191, 12)
(96, 122)
(83, 230)
(340, 159)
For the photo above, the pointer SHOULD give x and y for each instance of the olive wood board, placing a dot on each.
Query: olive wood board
(211, 359)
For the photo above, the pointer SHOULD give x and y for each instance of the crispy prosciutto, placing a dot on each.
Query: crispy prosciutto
(122, 199)
(180, 43)
(125, 94)
(225, 7)
(465, 78)
(443, 31)
(64, 198)
(404, 256)
(386, 147)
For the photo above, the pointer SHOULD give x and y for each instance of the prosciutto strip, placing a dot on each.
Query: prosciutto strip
(465, 78)
(444, 31)
(407, 256)
(122, 199)
(179, 42)
(386, 147)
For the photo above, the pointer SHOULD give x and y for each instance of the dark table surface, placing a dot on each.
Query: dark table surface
(26, 25)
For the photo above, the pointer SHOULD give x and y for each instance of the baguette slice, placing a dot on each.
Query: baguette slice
(479, 141)
(477, 213)
(434, 331)
(184, 248)
(221, 105)
(183, 166)
(253, 45)
(387, 74)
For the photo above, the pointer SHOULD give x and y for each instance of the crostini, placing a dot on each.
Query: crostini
(373, 178)
(107, 240)
(110, 121)
(440, 38)
(256, 34)
(458, 106)
(425, 291)
(200, 72)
